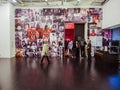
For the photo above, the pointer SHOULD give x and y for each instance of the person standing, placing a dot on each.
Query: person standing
(77, 52)
(70, 46)
(82, 47)
(45, 51)
(105, 44)
(74, 49)
(89, 49)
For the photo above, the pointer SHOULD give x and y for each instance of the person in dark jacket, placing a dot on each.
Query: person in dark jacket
(76, 49)
(89, 49)
(82, 47)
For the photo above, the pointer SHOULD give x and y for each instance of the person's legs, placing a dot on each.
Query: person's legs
(77, 52)
(89, 55)
(82, 51)
(42, 59)
(48, 59)
(74, 52)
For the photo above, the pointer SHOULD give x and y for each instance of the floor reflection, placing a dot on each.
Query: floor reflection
(60, 74)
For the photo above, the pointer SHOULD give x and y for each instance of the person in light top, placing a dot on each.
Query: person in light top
(45, 51)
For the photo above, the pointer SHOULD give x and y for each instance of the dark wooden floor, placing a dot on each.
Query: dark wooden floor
(67, 74)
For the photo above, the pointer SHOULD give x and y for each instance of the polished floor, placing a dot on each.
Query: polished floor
(60, 74)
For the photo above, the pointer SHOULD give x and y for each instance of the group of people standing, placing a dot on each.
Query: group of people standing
(77, 49)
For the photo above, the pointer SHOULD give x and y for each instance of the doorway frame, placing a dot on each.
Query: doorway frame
(86, 31)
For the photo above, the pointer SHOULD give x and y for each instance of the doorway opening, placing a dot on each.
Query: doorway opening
(73, 32)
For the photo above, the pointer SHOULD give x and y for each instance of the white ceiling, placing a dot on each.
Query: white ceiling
(55, 3)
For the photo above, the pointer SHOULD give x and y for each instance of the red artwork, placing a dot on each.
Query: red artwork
(34, 34)
(93, 33)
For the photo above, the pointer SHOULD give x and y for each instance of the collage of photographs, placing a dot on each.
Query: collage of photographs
(33, 26)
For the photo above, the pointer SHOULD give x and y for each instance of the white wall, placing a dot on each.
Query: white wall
(111, 13)
(5, 31)
(12, 31)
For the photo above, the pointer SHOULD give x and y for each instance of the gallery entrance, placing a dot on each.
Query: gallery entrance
(73, 32)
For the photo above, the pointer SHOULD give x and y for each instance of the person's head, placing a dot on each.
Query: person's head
(76, 42)
(89, 41)
(45, 42)
(82, 39)
(53, 42)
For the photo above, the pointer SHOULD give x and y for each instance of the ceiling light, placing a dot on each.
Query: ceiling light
(46, 0)
(14, 1)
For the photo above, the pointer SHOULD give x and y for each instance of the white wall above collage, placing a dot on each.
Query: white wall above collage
(111, 13)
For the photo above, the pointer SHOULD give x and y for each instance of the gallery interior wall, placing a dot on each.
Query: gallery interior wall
(7, 36)
(12, 30)
(30, 24)
(6, 26)
(111, 14)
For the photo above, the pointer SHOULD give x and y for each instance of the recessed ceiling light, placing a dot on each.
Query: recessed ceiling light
(14, 1)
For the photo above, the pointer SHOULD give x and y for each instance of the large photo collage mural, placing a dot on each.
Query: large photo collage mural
(33, 26)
